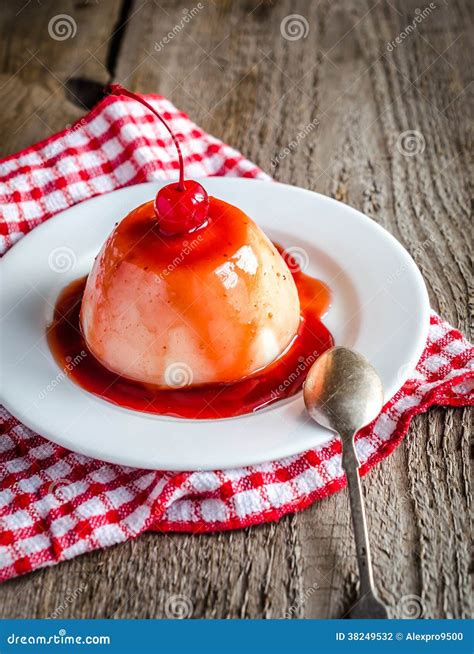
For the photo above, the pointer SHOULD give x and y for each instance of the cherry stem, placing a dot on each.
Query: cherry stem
(116, 89)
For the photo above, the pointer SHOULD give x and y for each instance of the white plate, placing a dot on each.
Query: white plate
(380, 307)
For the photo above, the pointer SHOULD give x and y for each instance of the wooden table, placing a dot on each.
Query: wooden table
(231, 69)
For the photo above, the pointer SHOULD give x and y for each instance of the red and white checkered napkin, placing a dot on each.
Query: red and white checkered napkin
(55, 504)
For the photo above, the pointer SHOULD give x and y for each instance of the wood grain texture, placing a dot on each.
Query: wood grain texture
(230, 68)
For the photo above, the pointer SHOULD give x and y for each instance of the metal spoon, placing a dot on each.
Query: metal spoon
(344, 393)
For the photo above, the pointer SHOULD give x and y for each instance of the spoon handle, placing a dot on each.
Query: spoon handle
(350, 464)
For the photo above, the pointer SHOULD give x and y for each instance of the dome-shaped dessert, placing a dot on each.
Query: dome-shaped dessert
(214, 305)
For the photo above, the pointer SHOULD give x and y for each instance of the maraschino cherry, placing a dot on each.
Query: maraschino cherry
(181, 207)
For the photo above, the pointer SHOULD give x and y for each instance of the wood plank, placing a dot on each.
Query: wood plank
(39, 73)
(230, 68)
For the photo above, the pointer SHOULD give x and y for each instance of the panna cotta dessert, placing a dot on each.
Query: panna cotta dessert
(188, 281)
(190, 310)
(219, 303)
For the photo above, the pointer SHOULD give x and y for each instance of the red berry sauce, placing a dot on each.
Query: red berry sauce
(279, 380)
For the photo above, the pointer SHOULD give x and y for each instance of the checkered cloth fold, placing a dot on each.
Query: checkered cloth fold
(55, 504)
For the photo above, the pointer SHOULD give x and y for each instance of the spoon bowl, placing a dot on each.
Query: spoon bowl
(342, 391)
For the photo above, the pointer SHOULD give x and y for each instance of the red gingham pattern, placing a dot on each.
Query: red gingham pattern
(55, 504)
